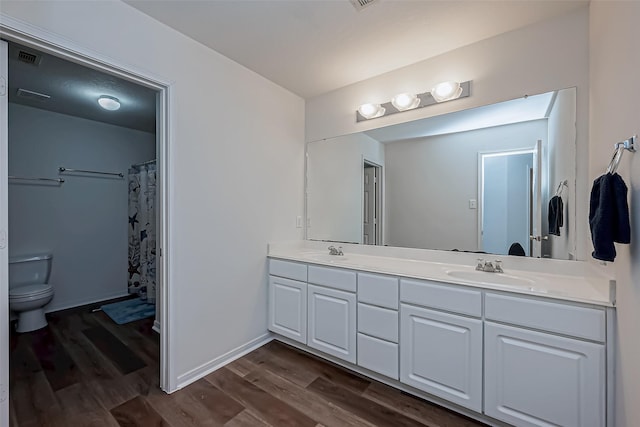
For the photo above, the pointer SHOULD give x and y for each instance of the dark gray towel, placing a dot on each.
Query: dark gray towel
(556, 213)
(608, 216)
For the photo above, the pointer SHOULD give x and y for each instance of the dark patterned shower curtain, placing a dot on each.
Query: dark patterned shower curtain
(142, 231)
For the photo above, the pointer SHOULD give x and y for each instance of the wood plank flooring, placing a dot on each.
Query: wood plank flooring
(84, 370)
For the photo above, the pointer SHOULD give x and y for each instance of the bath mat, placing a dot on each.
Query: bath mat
(129, 310)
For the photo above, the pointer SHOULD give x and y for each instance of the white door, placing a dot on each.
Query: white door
(4, 257)
(288, 308)
(332, 322)
(538, 379)
(370, 203)
(441, 354)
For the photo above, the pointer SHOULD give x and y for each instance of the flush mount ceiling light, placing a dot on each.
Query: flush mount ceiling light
(446, 91)
(371, 111)
(405, 101)
(109, 102)
(441, 92)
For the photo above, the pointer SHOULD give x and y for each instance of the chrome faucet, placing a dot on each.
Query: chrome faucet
(334, 251)
(489, 266)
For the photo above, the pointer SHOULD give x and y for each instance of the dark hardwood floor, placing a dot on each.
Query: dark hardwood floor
(84, 370)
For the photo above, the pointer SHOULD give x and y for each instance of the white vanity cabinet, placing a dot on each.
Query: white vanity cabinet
(440, 351)
(536, 378)
(499, 356)
(378, 324)
(288, 299)
(332, 312)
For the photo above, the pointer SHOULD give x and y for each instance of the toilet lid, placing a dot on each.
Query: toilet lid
(29, 290)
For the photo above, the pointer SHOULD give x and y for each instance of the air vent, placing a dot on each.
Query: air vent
(28, 57)
(361, 4)
(33, 96)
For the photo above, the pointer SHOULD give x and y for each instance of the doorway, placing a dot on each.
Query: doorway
(372, 204)
(506, 201)
(49, 43)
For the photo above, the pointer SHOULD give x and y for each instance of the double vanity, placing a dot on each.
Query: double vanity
(531, 346)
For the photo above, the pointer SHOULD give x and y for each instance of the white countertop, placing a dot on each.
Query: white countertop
(566, 280)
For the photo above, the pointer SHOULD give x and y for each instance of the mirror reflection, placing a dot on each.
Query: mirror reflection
(496, 179)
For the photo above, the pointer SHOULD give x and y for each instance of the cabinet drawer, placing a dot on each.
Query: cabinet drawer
(378, 356)
(288, 269)
(444, 297)
(566, 319)
(333, 278)
(378, 322)
(378, 290)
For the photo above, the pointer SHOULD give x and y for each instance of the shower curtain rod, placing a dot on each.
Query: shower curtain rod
(144, 163)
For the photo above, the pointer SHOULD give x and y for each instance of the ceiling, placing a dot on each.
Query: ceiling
(74, 90)
(307, 46)
(315, 46)
(519, 110)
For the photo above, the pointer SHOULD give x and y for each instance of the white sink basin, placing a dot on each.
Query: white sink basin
(327, 257)
(492, 278)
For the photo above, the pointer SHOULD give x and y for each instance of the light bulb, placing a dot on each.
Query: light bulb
(446, 91)
(109, 103)
(371, 111)
(405, 101)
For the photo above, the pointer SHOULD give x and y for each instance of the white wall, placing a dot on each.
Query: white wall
(615, 60)
(236, 170)
(335, 186)
(83, 222)
(562, 133)
(427, 198)
(547, 56)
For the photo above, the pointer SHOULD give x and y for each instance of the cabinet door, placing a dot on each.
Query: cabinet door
(441, 354)
(288, 308)
(332, 322)
(538, 379)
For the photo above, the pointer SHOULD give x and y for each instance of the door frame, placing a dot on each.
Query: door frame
(379, 201)
(51, 43)
(4, 250)
(480, 201)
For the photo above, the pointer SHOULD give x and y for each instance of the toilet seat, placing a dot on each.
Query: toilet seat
(29, 291)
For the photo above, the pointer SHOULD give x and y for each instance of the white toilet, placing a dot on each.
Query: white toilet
(29, 291)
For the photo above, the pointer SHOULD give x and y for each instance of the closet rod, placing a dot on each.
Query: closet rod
(28, 178)
(63, 169)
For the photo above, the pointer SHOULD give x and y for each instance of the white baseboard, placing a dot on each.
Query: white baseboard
(156, 326)
(85, 301)
(217, 363)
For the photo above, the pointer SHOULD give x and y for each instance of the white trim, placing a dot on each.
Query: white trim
(217, 363)
(29, 35)
(86, 301)
(611, 366)
(156, 326)
(4, 251)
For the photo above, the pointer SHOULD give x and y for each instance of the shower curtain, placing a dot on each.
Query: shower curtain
(142, 231)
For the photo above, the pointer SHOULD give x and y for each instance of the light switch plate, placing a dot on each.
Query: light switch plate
(298, 221)
(473, 204)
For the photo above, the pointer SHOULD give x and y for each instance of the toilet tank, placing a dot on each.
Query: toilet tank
(29, 269)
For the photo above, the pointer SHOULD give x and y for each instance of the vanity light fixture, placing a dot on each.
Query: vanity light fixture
(371, 111)
(109, 102)
(445, 91)
(405, 101)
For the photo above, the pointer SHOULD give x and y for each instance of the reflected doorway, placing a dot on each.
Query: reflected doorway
(507, 187)
(371, 204)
